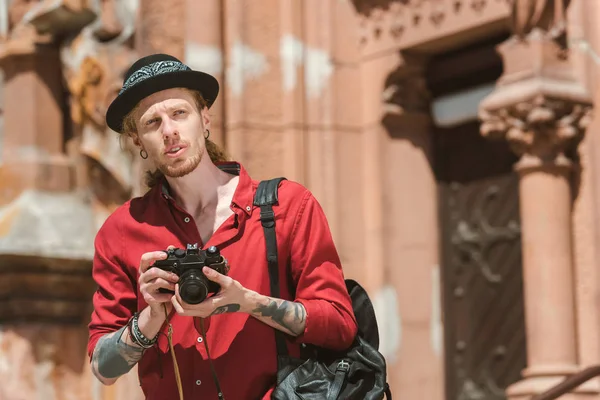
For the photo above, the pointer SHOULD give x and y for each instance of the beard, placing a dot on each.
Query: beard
(181, 167)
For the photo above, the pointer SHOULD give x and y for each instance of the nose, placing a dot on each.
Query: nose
(169, 129)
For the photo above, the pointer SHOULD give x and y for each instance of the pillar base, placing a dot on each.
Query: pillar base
(540, 379)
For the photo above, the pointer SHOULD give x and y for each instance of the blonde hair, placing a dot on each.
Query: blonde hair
(216, 153)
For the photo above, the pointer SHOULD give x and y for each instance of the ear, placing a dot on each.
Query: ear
(135, 139)
(205, 118)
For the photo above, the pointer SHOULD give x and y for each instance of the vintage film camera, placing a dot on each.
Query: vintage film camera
(194, 286)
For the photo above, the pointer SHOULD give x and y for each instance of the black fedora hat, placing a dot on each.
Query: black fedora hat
(152, 74)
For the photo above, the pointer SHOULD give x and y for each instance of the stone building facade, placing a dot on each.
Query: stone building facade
(450, 142)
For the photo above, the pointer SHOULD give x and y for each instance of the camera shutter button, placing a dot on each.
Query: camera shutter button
(179, 253)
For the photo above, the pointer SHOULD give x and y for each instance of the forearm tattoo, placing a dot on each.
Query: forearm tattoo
(229, 308)
(113, 357)
(289, 315)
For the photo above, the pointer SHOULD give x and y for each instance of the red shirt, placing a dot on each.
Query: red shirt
(242, 347)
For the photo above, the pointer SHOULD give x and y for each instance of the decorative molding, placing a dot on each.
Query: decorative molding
(411, 23)
(37, 289)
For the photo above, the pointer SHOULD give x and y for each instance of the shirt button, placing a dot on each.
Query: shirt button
(199, 339)
(198, 382)
(187, 219)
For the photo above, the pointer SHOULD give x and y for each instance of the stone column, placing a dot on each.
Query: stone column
(541, 109)
(409, 303)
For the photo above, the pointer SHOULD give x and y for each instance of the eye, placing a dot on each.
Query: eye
(151, 121)
(179, 112)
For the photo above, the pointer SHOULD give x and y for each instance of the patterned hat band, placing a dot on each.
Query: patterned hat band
(152, 70)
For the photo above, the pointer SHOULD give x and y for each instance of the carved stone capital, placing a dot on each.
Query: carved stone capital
(406, 95)
(539, 105)
(542, 130)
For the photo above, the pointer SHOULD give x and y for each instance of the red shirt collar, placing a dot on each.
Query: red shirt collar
(243, 197)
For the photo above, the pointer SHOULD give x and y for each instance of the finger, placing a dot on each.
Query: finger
(153, 296)
(148, 259)
(170, 247)
(177, 296)
(176, 305)
(222, 280)
(156, 273)
(160, 283)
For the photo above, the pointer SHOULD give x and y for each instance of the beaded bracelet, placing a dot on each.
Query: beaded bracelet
(137, 336)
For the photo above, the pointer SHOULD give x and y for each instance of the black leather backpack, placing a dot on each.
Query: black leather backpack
(322, 374)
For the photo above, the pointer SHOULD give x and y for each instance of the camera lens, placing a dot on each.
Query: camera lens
(193, 288)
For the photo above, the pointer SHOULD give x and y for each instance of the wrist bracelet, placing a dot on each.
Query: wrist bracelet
(137, 336)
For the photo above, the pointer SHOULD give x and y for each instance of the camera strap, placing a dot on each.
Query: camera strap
(172, 350)
(176, 366)
(210, 362)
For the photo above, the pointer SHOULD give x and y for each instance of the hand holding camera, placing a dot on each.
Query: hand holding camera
(187, 278)
(152, 280)
(187, 265)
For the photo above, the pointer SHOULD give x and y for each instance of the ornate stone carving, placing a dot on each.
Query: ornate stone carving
(547, 15)
(539, 105)
(425, 17)
(476, 238)
(542, 130)
(94, 67)
(60, 17)
(366, 7)
(20, 36)
(406, 89)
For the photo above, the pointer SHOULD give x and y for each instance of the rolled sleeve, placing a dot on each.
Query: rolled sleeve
(115, 298)
(316, 267)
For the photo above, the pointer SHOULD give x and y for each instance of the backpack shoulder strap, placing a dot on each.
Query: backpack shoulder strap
(267, 193)
(265, 197)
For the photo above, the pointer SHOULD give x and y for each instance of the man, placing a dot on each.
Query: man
(225, 344)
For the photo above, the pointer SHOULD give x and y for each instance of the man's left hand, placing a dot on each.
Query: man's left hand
(232, 297)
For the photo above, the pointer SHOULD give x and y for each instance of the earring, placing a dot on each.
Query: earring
(207, 134)
(143, 154)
